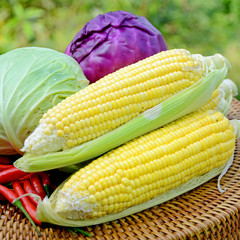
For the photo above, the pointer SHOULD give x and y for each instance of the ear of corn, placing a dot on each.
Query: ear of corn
(114, 100)
(145, 171)
(222, 97)
(178, 105)
(220, 101)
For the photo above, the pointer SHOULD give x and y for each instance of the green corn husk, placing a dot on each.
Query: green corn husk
(171, 109)
(46, 208)
(226, 91)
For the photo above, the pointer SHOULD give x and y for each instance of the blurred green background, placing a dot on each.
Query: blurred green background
(205, 27)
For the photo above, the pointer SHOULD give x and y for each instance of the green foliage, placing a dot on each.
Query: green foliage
(206, 27)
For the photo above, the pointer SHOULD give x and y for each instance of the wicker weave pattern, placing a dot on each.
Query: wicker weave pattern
(203, 213)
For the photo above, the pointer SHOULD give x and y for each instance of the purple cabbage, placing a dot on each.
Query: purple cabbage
(112, 41)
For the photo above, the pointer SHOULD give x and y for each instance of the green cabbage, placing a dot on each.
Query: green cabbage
(32, 80)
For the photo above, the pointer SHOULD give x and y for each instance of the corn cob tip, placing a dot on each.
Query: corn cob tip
(41, 142)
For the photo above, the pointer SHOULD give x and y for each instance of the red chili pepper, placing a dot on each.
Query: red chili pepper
(36, 183)
(45, 182)
(4, 160)
(28, 188)
(4, 167)
(22, 179)
(10, 195)
(44, 178)
(26, 202)
(2, 198)
(11, 174)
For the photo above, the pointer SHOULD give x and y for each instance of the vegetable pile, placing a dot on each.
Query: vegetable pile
(150, 126)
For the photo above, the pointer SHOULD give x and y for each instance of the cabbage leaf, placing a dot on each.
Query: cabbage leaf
(32, 80)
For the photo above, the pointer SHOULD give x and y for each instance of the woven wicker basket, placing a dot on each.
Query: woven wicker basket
(203, 213)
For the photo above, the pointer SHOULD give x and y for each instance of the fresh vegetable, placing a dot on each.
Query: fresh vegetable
(112, 41)
(114, 100)
(11, 174)
(179, 104)
(26, 202)
(145, 171)
(8, 193)
(4, 167)
(45, 180)
(32, 80)
(28, 188)
(221, 98)
(26, 177)
(12, 197)
(36, 183)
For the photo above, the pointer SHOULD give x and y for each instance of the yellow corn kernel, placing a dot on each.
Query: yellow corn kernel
(213, 101)
(115, 99)
(148, 166)
(221, 97)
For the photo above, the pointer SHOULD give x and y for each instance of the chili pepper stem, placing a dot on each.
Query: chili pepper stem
(45, 182)
(80, 231)
(46, 188)
(18, 204)
(71, 231)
